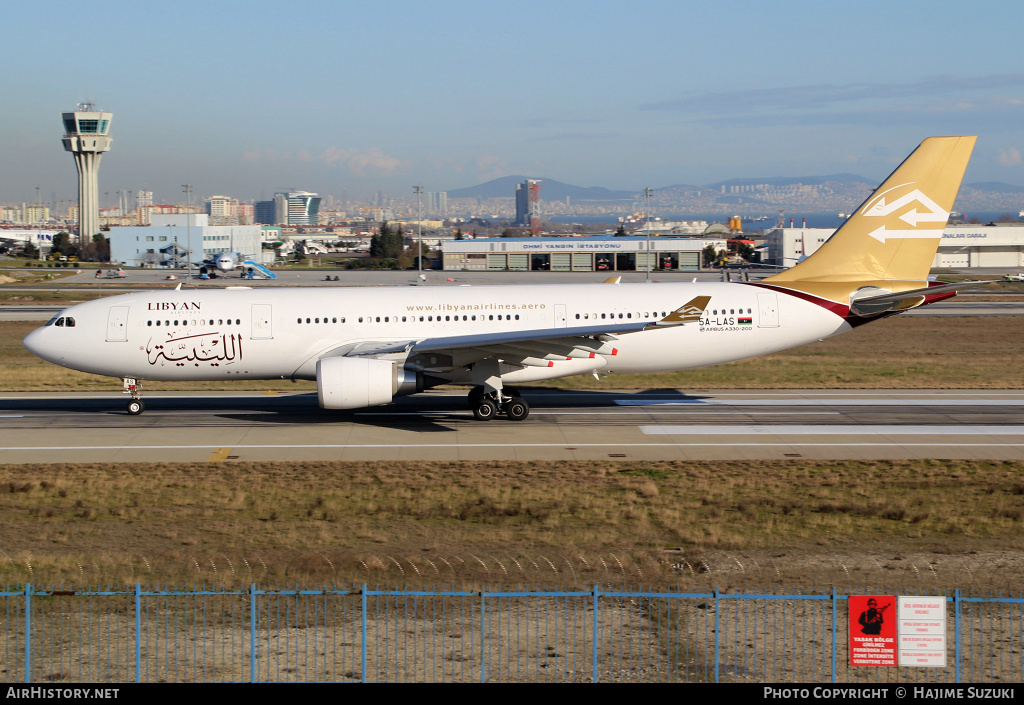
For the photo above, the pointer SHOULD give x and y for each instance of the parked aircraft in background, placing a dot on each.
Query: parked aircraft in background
(365, 346)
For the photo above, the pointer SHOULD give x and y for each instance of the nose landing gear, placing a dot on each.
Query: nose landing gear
(135, 405)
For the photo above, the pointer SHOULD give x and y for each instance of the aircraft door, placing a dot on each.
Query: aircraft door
(117, 324)
(560, 316)
(767, 310)
(261, 322)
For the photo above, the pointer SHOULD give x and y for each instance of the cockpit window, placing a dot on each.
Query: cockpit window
(60, 323)
(70, 322)
(53, 320)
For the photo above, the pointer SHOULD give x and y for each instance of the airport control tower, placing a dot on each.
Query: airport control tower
(85, 136)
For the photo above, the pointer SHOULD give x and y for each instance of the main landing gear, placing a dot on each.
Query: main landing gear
(135, 405)
(487, 405)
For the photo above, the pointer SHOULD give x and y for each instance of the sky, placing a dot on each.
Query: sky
(347, 98)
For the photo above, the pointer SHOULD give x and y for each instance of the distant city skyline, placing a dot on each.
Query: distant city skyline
(450, 94)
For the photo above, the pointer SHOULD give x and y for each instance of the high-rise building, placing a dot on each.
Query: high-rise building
(221, 206)
(143, 207)
(297, 208)
(85, 136)
(263, 212)
(437, 203)
(528, 203)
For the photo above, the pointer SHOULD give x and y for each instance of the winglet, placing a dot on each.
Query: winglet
(690, 312)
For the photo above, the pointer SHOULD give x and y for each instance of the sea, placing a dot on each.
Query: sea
(752, 224)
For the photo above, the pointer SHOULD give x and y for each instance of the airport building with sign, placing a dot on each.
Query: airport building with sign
(995, 245)
(604, 253)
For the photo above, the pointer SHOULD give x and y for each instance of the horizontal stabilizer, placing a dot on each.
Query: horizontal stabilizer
(904, 300)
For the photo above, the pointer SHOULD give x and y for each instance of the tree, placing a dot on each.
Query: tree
(30, 250)
(62, 244)
(745, 251)
(459, 235)
(709, 254)
(96, 251)
(621, 232)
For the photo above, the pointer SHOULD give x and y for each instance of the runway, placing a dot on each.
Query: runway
(619, 425)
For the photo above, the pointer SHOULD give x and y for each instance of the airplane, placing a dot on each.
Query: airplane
(227, 261)
(366, 346)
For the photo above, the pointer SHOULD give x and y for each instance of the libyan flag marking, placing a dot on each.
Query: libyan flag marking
(745, 321)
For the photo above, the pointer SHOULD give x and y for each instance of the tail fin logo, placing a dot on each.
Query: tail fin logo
(923, 210)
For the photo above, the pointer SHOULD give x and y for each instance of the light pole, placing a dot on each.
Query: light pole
(419, 229)
(647, 227)
(188, 225)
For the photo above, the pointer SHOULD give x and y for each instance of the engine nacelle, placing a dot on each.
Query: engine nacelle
(358, 382)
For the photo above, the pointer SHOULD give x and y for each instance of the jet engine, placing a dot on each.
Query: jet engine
(358, 382)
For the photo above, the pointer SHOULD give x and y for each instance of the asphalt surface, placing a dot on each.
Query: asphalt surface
(654, 425)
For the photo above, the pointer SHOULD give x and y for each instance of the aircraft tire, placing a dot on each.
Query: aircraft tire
(516, 409)
(485, 410)
(136, 407)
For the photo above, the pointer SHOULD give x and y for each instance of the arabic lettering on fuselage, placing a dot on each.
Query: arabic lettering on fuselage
(213, 348)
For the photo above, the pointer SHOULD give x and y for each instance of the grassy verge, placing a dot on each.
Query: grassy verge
(657, 522)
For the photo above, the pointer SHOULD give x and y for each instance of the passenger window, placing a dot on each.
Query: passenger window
(517, 316)
(299, 320)
(149, 323)
(158, 322)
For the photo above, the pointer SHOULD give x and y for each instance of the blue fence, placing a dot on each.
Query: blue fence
(389, 635)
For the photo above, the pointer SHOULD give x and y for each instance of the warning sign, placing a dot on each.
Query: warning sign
(872, 630)
(922, 631)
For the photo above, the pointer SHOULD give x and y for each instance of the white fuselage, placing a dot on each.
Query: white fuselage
(267, 333)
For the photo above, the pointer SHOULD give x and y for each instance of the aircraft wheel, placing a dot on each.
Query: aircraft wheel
(485, 410)
(517, 409)
(136, 407)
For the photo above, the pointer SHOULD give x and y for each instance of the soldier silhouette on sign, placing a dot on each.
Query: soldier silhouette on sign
(870, 620)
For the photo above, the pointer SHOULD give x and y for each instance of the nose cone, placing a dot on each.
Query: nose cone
(39, 344)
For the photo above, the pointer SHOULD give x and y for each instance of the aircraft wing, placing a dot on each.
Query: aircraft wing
(530, 347)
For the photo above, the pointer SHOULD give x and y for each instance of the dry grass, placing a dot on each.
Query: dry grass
(664, 522)
(923, 352)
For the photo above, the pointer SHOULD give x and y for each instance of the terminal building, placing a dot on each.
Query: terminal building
(994, 245)
(166, 241)
(577, 254)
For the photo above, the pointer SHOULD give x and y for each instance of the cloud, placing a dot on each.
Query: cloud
(373, 162)
(362, 163)
(822, 96)
(490, 167)
(562, 136)
(1009, 157)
